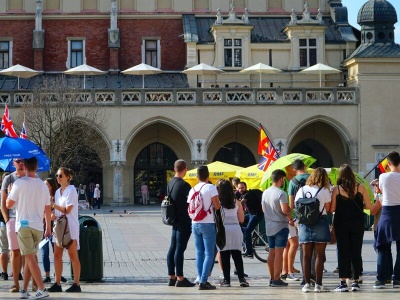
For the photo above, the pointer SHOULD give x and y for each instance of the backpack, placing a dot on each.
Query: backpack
(298, 184)
(196, 209)
(168, 210)
(307, 208)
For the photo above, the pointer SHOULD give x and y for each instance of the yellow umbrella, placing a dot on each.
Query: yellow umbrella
(217, 169)
(251, 175)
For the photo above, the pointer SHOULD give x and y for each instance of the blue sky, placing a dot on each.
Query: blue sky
(353, 7)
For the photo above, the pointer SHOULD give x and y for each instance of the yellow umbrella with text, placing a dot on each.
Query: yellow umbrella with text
(251, 175)
(217, 170)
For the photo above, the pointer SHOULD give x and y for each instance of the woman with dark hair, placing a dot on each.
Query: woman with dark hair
(313, 238)
(66, 203)
(232, 215)
(349, 199)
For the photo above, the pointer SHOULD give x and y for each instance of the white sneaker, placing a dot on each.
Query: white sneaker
(197, 281)
(24, 294)
(306, 288)
(292, 277)
(320, 289)
(40, 294)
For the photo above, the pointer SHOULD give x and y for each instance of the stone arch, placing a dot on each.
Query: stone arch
(175, 125)
(232, 120)
(348, 147)
(239, 132)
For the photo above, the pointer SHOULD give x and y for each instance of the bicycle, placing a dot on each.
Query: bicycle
(260, 245)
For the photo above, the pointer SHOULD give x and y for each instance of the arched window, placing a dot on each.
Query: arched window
(235, 154)
(155, 166)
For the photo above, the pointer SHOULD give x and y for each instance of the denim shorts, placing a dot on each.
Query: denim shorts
(279, 240)
(316, 233)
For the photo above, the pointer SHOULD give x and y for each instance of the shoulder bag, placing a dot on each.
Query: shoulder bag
(61, 232)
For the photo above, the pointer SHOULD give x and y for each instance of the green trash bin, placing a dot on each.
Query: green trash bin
(91, 249)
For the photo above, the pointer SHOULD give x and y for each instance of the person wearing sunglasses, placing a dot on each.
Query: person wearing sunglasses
(66, 203)
(9, 216)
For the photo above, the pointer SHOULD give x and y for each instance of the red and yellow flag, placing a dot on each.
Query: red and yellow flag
(383, 166)
(262, 142)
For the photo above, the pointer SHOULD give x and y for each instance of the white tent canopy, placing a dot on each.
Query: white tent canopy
(320, 69)
(84, 70)
(202, 69)
(19, 71)
(142, 69)
(260, 68)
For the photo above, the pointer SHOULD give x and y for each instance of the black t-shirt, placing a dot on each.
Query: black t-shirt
(179, 190)
(253, 202)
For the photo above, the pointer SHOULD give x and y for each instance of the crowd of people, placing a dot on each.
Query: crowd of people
(28, 208)
(341, 203)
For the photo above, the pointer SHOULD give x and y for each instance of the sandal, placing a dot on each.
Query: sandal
(14, 289)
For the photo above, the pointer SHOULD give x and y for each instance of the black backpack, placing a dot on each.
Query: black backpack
(298, 184)
(307, 209)
(168, 210)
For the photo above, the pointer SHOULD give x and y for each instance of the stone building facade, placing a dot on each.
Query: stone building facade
(338, 118)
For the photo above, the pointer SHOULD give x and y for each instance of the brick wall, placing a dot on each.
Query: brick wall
(21, 32)
(97, 52)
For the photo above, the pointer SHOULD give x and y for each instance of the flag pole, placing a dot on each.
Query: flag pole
(375, 166)
(272, 144)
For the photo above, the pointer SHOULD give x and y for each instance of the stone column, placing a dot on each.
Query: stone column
(118, 159)
(118, 197)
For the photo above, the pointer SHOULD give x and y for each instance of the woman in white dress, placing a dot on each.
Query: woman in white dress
(232, 215)
(66, 203)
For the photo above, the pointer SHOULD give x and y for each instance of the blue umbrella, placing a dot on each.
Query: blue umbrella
(11, 148)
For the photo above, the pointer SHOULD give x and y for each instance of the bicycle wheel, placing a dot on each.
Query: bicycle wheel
(260, 246)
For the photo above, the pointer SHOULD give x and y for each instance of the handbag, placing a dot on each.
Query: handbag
(220, 228)
(62, 235)
(168, 210)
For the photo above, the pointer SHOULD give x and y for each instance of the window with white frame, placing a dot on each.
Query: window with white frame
(308, 52)
(151, 52)
(5, 54)
(233, 52)
(76, 53)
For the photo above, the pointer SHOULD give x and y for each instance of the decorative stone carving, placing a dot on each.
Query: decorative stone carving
(219, 17)
(113, 31)
(245, 16)
(307, 17)
(38, 15)
(118, 152)
(38, 33)
(199, 153)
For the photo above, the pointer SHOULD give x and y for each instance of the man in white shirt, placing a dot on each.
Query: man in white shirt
(388, 230)
(204, 232)
(30, 197)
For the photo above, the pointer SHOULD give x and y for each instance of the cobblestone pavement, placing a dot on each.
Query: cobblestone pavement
(135, 244)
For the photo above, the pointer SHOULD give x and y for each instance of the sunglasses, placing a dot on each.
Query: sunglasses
(18, 161)
(59, 175)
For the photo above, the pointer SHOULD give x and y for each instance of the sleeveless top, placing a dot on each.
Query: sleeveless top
(233, 231)
(349, 210)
